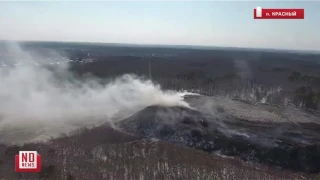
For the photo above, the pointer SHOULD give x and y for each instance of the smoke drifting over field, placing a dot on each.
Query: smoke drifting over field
(37, 102)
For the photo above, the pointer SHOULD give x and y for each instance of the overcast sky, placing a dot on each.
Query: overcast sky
(215, 23)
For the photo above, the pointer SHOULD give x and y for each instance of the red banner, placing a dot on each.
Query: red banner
(262, 13)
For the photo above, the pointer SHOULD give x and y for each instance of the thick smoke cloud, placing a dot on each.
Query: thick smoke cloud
(37, 102)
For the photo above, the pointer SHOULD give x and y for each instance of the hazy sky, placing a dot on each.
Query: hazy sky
(217, 23)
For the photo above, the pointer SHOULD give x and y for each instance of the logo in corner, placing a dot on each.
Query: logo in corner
(28, 161)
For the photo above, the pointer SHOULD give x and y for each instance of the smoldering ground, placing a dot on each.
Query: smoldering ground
(259, 136)
(39, 101)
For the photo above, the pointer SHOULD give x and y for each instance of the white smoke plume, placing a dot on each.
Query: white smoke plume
(37, 103)
(243, 69)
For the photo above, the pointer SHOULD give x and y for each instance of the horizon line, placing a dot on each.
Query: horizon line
(188, 46)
